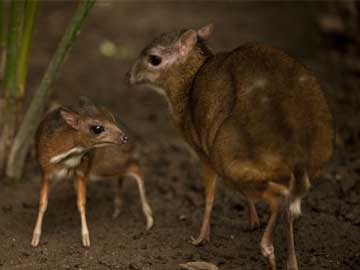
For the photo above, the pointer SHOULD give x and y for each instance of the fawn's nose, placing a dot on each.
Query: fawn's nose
(124, 139)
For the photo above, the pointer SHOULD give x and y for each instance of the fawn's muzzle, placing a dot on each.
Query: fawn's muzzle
(123, 139)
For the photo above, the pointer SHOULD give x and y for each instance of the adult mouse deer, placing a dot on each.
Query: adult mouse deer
(256, 117)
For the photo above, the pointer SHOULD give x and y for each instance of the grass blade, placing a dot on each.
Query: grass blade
(31, 8)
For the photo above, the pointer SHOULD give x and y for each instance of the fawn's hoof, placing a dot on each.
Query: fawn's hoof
(86, 240)
(149, 222)
(36, 239)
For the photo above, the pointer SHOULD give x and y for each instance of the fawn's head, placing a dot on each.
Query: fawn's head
(94, 126)
(171, 56)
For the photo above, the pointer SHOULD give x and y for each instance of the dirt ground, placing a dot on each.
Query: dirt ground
(327, 235)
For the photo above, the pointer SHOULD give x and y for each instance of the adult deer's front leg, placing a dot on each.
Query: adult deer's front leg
(81, 204)
(43, 201)
(210, 179)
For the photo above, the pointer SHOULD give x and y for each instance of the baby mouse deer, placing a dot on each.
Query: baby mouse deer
(256, 117)
(116, 163)
(64, 143)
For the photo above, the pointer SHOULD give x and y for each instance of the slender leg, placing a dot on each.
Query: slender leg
(254, 221)
(43, 201)
(81, 204)
(118, 198)
(210, 184)
(267, 246)
(276, 195)
(292, 261)
(134, 171)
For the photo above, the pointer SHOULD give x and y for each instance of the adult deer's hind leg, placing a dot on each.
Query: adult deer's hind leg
(292, 260)
(299, 185)
(276, 196)
(253, 217)
(43, 201)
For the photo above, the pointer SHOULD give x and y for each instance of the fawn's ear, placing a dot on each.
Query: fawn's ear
(187, 42)
(205, 31)
(71, 118)
(85, 101)
(86, 105)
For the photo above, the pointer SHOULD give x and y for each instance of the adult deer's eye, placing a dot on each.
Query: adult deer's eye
(155, 60)
(97, 129)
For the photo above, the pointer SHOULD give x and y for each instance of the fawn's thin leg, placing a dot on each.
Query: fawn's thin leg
(210, 184)
(81, 204)
(118, 185)
(254, 221)
(43, 201)
(134, 171)
(292, 261)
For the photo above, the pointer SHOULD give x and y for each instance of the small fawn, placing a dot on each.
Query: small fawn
(65, 141)
(256, 117)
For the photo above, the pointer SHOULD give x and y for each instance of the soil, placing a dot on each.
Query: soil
(328, 233)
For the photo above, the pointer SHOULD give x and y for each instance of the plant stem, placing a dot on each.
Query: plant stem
(31, 8)
(2, 23)
(2, 39)
(33, 116)
(10, 74)
(9, 110)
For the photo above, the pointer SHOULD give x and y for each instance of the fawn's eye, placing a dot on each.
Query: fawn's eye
(155, 60)
(97, 129)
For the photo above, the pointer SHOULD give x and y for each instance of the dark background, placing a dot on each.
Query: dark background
(322, 35)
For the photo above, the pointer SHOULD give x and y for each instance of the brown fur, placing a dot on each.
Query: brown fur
(116, 163)
(59, 134)
(255, 115)
(113, 161)
(55, 136)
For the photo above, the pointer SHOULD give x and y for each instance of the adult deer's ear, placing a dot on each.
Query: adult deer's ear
(205, 31)
(187, 42)
(71, 118)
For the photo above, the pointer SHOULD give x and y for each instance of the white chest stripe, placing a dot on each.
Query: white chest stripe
(63, 156)
(72, 161)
